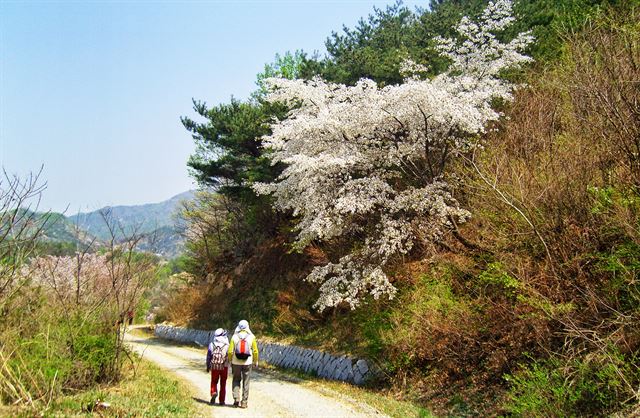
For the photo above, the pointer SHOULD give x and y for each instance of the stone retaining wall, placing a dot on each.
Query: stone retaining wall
(328, 366)
(184, 335)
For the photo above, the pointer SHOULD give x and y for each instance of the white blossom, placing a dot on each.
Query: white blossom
(368, 164)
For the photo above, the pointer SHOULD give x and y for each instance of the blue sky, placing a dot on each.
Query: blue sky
(94, 90)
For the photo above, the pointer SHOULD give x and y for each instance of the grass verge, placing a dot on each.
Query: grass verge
(149, 392)
(380, 400)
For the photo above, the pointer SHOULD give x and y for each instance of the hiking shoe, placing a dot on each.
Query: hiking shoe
(243, 405)
(213, 399)
(221, 403)
(236, 404)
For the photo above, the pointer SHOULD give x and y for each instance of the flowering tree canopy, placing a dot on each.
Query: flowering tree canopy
(114, 281)
(366, 165)
(81, 280)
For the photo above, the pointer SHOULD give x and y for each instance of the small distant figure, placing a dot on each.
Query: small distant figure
(120, 322)
(243, 353)
(130, 317)
(218, 364)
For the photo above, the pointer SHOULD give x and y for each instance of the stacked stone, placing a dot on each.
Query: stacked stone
(184, 335)
(325, 365)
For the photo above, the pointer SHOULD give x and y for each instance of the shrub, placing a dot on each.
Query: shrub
(586, 386)
(430, 324)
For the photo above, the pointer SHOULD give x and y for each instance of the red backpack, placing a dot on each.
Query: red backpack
(243, 348)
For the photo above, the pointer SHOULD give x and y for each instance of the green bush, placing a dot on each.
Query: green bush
(427, 317)
(61, 356)
(622, 266)
(496, 276)
(585, 386)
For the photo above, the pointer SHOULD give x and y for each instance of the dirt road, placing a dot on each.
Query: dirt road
(270, 394)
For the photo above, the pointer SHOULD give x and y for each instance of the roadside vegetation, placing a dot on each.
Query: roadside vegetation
(63, 315)
(144, 391)
(530, 307)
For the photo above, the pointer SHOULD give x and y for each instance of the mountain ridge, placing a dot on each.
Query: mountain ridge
(155, 221)
(145, 218)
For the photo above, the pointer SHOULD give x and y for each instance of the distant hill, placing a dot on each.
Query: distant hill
(145, 219)
(55, 226)
(156, 221)
(59, 228)
(166, 241)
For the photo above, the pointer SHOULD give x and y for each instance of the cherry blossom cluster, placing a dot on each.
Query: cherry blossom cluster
(368, 165)
(86, 279)
(90, 279)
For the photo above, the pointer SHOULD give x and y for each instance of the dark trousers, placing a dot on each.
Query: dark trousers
(241, 374)
(222, 376)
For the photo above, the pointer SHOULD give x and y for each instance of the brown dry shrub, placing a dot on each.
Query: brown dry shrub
(266, 289)
(604, 84)
(531, 185)
(552, 193)
(556, 203)
(182, 307)
(575, 129)
(449, 321)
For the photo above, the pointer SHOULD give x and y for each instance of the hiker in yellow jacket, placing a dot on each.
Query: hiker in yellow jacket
(243, 354)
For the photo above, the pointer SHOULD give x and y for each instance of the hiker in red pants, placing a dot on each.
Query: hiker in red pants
(218, 363)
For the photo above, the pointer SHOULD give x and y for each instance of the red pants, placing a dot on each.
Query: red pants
(222, 374)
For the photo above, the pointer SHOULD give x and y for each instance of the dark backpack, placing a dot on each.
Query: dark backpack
(243, 349)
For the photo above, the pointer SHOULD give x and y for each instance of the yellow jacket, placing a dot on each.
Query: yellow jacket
(251, 339)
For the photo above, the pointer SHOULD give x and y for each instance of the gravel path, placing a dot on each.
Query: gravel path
(270, 395)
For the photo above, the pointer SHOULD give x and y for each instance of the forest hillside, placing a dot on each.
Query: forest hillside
(449, 191)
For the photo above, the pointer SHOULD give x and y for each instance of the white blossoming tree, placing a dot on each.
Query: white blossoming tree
(367, 165)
